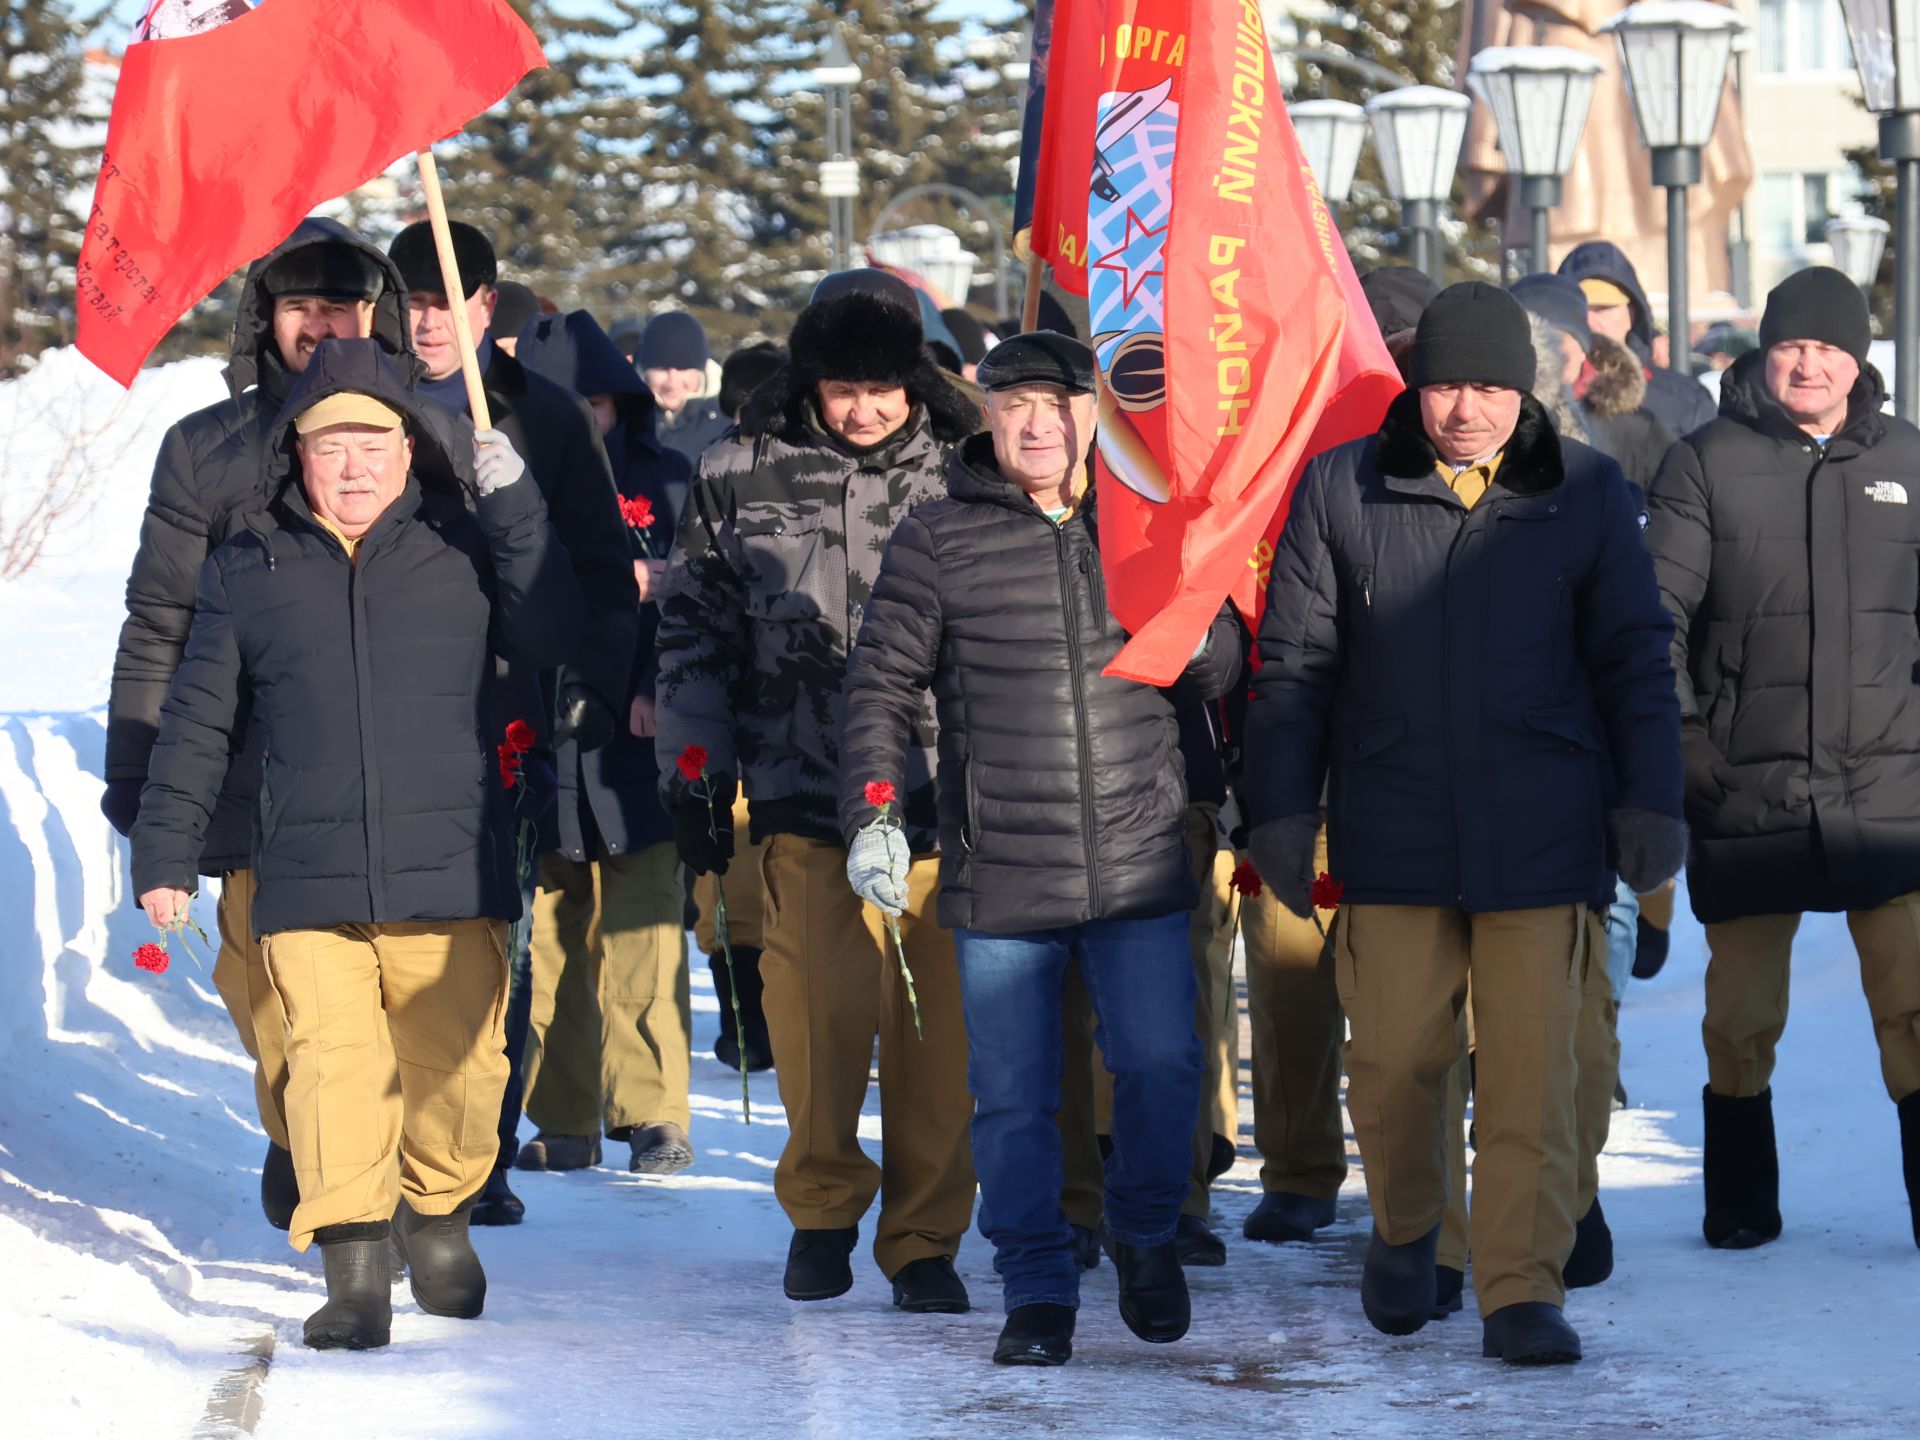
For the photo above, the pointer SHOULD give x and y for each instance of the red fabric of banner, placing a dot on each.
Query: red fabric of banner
(221, 142)
(1066, 142)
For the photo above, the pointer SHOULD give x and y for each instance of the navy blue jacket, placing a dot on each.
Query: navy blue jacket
(1483, 685)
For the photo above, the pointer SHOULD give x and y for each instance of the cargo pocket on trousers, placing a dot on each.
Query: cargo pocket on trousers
(499, 933)
(769, 901)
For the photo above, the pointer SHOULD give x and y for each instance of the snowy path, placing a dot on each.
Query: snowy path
(139, 1273)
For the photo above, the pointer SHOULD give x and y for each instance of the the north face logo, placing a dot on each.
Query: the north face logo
(1887, 492)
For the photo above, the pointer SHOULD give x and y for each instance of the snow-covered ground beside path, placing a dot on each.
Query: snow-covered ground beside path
(142, 1296)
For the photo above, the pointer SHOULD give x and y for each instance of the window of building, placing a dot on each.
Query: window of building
(1791, 208)
(1801, 37)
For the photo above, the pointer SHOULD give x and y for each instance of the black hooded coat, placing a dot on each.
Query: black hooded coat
(1678, 401)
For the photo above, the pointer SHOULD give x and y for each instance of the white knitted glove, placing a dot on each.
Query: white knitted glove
(877, 866)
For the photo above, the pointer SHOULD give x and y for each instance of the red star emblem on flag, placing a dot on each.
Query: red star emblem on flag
(1141, 257)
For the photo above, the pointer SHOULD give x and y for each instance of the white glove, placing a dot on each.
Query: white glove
(877, 866)
(496, 464)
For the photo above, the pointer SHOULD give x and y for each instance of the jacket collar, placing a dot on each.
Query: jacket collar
(1744, 400)
(1531, 463)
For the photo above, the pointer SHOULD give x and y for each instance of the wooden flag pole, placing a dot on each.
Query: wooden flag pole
(456, 292)
(1030, 308)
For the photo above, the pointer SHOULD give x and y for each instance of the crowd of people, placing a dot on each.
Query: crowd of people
(805, 651)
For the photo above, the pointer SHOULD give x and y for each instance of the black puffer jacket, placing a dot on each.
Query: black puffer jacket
(211, 469)
(1484, 685)
(372, 680)
(1793, 575)
(1062, 795)
(1678, 401)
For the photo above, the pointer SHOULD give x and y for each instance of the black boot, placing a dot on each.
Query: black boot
(1222, 1158)
(1529, 1333)
(1153, 1288)
(1910, 1155)
(1650, 945)
(559, 1152)
(1592, 1257)
(1398, 1286)
(446, 1274)
(1281, 1217)
(498, 1205)
(358, 1314)
(1449, 1288)
(662, 1149)
(753, 1018)
(1196, 1243)
(1036, 1335)
(1742, 1171)
(1086, 1247)
(279, 1191)
(930, 1287)
(818, 1263)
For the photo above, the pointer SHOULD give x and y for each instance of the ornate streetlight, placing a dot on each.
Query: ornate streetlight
(1858, 242)
(839, 172)
(1417, 132)
(1539, 95)
(1331, 133)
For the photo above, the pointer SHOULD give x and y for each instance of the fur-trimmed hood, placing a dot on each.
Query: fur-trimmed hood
(1531, 463)
(1617, 382)
(1548, 388)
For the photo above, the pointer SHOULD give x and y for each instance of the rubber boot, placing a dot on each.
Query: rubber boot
(445, 1273)
(1742, 1171)
(279, 1191)
(1399, 1286)
(358, 1314)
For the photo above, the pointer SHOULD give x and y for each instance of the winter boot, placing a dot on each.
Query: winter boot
(1449, 1289)
(930, 1287)
(753, 1018)
(279, 1191)
(1650, 946)
(818, 1263)
(1398, 1286)
(1153, 1288)
(1036, 1335)
(1592, 1257)
(1910, 1155)
(1742, 1171)
(358, 1314)
(446, 1274)
(1281, 1217)
(1196, 1243)
(559, 1152)
(497, 1205)
(1086, 1247)
(662, 1149)
(1529, 1333)
(1222, 1158)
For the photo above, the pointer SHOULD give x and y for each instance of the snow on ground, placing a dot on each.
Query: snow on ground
(144, 1297)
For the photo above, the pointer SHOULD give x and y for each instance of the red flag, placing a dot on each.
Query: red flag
(1215, 286)
(229, 125)
(1059, 234)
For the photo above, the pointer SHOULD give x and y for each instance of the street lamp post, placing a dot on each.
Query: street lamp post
(839, 173)
(1331, 133)
(1539, 95)
(1417, 132)
(918, 244)
(1675, 54)
(1857, 242)
(1884, 34)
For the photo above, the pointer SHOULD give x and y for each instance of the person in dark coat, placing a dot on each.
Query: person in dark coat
(1617, 309)
(1787, 538)
(322, 281)
(672, 358)
(1063, 812)
(363, 612)
(1464, 645)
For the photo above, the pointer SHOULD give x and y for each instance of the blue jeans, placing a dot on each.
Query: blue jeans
(1623, 938)
(1139, 974)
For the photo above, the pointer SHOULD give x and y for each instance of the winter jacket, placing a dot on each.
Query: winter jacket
(380, 797)
(1612, 396)
(1678, 401)
(769, 581)
(1793, 575)
(695, 427)
(1062, 792)
(608, 802)
(1484, 685)
(211, 469)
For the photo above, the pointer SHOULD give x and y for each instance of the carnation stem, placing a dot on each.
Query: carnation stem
(900, 947)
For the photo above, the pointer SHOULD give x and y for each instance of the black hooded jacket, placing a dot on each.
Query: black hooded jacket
(1793, 574)
(211, 469)
(1678, 401)
(373, 683)
(1062, 793)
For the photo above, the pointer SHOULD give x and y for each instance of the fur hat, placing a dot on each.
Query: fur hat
(857, 336)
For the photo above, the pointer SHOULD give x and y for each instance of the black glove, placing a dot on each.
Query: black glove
(1707, 777)
(703, 834)
(1651, 847)
(582, 717)
(120, 803)
(1283, 855)
(538, 787)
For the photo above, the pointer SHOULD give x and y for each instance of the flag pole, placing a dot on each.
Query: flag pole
(1030, 307)
(456, 292)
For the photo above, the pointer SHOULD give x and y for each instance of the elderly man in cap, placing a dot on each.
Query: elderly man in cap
(362, 611)
(672, 357)
(322, 281)
(1787, 539)
(1062, 835)
(771, 574)
(1464, 648)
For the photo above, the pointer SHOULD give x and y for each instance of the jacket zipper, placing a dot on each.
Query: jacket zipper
(1080, 721)
(1366, 588)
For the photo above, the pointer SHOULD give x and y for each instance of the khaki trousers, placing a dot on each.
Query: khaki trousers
(1402, 973)
(832, 984)
(1293, 1013)
(240, 975)
(394, 1049)
(1747, 971)
(612, 1014)
(745, 904)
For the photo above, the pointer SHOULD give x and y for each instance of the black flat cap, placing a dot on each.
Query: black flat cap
(328, 270)
(413, 254)
(1040, 357)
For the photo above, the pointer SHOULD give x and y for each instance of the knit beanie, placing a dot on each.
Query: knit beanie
(673, 340)
(1818, 303)
(515, 308)
(1472, 334)
(1558, 301)
(1397, 294)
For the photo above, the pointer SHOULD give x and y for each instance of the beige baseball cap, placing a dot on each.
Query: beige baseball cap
(348, 407)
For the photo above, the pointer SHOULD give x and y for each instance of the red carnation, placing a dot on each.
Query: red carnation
(879, 793)
(509, 766)
(520, 737)
(1327, 892)
(693, 762)
(1246, 879)
(152, 957)
(637, 512)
